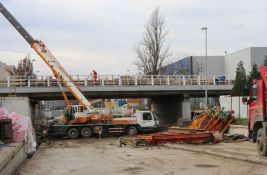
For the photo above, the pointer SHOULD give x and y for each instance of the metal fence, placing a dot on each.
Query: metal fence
(115, 80)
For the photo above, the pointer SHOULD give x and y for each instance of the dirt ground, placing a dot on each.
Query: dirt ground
(103, 156)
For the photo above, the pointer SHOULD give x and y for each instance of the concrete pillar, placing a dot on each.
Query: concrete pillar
(8, 81)
(33, 109)
(120, 81)
(186, 108)
(198, 80)
(135, 80)
(29, 82)
(170, 109)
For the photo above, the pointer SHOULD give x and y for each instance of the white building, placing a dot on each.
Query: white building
(249, 56)
(217, 65)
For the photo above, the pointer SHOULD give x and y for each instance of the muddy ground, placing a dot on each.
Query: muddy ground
(103, 156)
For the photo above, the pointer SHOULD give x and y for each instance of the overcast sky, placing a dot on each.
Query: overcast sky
(101, 34)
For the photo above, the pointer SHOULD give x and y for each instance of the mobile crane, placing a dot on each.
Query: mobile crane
(84, 122)
(257, 111)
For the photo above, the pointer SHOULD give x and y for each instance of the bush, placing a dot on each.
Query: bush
(241, 121)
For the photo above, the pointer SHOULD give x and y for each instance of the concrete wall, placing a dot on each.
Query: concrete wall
(215, 65)
(235, 104)
(238, 129)
(258, 54)
(12, 157)
(186, 109)
(233, 59)
(20, 105)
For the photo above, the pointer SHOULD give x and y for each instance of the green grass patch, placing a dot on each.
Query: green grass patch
(241, 121)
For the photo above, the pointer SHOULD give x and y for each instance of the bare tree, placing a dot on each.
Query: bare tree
(197, 67)
(24, 68)
(151, 52)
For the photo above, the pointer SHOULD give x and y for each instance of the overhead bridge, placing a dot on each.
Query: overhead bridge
(169, 94)
(117, 86)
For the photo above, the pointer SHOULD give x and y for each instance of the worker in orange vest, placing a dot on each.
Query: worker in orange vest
(94, 76)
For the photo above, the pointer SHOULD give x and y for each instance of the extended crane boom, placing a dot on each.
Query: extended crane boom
(77, 122)
(48, 58)
(16, 24)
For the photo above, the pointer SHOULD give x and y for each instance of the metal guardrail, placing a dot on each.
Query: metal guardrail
(115, 80)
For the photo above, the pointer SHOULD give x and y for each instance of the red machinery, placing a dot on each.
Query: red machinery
(178, 135)
(257, 112)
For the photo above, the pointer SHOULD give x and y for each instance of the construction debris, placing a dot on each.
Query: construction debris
(190, 136)
(207, 127)
(214, 119)
(160, 138)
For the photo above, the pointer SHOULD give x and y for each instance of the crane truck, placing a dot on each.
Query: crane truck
(257, 111)
(81, 120)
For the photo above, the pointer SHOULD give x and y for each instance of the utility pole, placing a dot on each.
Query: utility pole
(206, 64)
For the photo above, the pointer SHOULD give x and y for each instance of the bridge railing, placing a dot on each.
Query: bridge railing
(115, 80)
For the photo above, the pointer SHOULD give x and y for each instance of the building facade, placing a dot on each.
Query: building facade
(217, 65)
(249, 56)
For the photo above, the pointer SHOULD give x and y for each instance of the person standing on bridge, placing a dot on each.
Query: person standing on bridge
(94, 76)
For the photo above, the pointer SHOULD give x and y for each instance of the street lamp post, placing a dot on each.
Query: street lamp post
(206, 64)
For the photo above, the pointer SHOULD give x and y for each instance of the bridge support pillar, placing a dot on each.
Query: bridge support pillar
(34, 105)
(170, 109)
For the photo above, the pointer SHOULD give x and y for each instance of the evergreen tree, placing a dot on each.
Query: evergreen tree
(240, 85)
(254, 74)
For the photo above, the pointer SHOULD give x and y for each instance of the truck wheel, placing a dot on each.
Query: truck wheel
(261, 143)
(86, 132)
(132, 131)
(73, 133)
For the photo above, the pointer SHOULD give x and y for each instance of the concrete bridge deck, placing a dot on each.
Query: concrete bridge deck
(117, 86)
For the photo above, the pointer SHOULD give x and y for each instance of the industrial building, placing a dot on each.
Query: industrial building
(217, 65)
(195, 65)
(249, 56)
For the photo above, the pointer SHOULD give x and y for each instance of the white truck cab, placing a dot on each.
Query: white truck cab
(146, 119)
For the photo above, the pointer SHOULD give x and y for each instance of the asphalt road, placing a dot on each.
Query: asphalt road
(102, 156)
